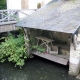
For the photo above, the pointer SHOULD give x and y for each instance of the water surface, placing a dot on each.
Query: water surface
(35, 69)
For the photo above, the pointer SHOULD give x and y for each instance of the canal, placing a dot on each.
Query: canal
(35, 69)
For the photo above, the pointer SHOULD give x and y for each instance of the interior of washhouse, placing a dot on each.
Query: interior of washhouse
(55, 43)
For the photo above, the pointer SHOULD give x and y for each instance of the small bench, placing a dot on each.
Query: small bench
(45, 41)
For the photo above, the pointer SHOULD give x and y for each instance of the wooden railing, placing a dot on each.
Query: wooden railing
(12, 16)
(8, 16)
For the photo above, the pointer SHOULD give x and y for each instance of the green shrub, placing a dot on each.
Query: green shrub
(39, 48)
(13, 50)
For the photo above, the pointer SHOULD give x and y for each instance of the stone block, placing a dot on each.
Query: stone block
(74, 69)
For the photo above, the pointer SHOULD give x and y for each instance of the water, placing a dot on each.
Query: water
(35, 69)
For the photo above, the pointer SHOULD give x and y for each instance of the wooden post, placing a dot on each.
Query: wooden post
(75, 41)
(26, 39)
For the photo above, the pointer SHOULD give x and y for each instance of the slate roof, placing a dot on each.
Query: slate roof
(56, 16)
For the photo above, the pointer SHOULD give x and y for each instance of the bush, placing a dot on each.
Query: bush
(13, 50)
(40, 49)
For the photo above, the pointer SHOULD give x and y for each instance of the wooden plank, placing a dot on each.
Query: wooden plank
(44, 39)
(63, 56)
(54, 58)
(55, 53)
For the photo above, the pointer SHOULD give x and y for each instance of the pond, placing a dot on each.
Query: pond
(35, 69)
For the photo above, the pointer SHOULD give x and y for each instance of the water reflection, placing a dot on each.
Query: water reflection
(35, 69)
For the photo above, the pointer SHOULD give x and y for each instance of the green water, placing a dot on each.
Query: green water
(35, 69)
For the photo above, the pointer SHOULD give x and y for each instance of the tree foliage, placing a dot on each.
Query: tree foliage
(2, 4)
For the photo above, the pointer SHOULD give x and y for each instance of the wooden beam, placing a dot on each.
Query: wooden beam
(75, 41)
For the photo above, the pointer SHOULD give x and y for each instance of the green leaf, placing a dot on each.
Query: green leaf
(13, 50)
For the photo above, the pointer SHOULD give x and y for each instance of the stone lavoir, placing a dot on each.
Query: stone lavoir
(56, 27)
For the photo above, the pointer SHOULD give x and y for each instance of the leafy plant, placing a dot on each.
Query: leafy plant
(3, 4)
(39, 48)
(13, 50)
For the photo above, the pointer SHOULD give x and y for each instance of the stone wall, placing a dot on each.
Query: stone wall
(74, 62)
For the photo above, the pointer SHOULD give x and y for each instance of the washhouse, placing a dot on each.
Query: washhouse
(53, 32)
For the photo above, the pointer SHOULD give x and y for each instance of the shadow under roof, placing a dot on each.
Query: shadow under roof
(63, 16)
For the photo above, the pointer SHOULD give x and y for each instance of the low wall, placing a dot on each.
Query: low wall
(7, 27)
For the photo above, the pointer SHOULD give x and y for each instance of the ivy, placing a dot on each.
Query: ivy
(13, 50)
